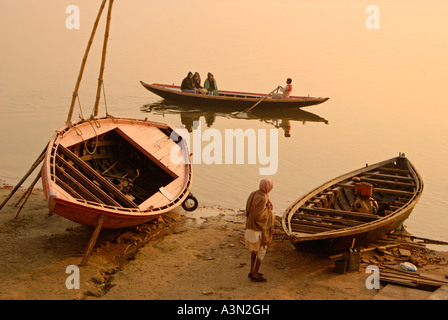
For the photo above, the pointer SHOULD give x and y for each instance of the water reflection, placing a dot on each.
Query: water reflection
(279, 118)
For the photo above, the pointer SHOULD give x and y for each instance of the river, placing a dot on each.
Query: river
(384, 69)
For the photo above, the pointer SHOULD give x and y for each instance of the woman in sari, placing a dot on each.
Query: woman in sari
(259, 227)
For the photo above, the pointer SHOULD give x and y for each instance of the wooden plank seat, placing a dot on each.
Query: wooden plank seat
(317, 224)
(116, 195)
(387, 176)
(393, 170)
(318, 218)
(381, 190)
(70, 190)
(81, 191)
(388, 182)
(342, 213)
(83, 183)
(308, 229)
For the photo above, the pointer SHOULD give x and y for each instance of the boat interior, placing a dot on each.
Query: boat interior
(333, 209)
(109, 170)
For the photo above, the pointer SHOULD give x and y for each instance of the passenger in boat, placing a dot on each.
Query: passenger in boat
(197, 80)
(210, 85)
(197, 83)
(188, 84)
(259, 227)
(286, 91)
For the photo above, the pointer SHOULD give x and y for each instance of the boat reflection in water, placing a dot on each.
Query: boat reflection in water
(279, 118)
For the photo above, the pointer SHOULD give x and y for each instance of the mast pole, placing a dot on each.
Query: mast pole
(84, 60)
(103, 59)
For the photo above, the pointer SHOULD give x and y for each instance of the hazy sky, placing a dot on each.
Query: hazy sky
(236, 39)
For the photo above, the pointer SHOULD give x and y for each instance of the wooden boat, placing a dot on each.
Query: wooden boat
(323, 219)
(115, 167)
(113, 172)
(231, 99)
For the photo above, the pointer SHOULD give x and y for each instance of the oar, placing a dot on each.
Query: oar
(256, 104)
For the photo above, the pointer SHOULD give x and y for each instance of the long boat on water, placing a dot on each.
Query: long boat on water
(357, 207)
(231, 99)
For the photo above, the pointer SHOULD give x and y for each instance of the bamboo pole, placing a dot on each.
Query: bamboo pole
(103, 59)
(29, 188)
(28, 193)
(33, 167)
(425, 240)
(84, 60)
(92, 240)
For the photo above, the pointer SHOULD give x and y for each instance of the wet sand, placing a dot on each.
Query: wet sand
(194, 256)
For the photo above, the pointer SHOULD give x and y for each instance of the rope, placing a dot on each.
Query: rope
(97, 123)
(96, 142)
(105, 102)
(79, 133)
(114, 119)
(80, 108)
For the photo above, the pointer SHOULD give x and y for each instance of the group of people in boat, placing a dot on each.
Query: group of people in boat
(192, 84)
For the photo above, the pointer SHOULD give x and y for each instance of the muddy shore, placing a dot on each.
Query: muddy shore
(184, 256)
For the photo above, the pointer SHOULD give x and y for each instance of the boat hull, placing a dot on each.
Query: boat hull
(229, 99)
(88, 215)
(344, 241)
(324, 221)
(77, 187)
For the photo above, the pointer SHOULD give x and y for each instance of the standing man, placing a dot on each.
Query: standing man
(259, 227)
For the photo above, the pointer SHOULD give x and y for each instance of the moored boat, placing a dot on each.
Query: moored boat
(231, 99)
(115, 167)
(114, 172)
(358, 207)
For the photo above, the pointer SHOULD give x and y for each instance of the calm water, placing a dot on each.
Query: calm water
(386, 86)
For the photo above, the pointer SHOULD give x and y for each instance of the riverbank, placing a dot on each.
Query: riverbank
(194, 256)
